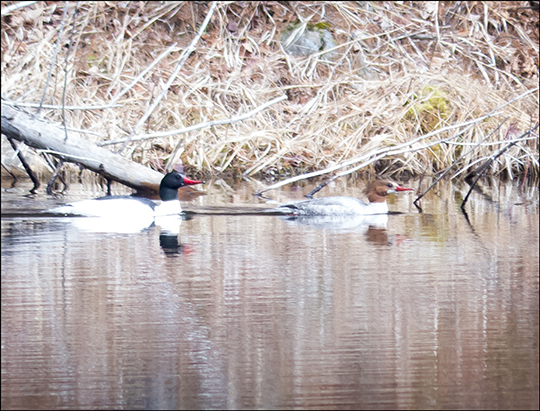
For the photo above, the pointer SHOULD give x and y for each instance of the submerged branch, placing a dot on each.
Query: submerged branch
(415, 202)
(483, 168)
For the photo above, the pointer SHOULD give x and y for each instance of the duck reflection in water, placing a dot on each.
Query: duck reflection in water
(372, 226)
(169, 228)
(170, 244)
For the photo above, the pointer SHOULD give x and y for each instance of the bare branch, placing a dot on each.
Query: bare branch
(378, 154)
(13, 7)
(143, 73)
(482, 169)
(53, 107)
(457, 160)
(197, 126)
(53, 60)
(173, 76)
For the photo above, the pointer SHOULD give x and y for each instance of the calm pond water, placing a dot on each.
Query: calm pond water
(417, 310)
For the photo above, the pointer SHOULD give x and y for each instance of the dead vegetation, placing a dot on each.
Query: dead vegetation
(389, 73)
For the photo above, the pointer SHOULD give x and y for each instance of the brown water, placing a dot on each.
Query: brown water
(425, 311)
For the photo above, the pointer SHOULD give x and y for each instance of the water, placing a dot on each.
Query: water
(426, 310)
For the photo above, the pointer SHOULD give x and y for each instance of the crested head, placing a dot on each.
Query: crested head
(168, 188)
(377, 190)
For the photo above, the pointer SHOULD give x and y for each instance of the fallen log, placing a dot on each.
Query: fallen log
(44, 136)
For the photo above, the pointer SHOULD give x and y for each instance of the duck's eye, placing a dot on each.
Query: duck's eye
(390, 185)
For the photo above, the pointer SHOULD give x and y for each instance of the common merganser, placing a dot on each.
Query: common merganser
(136, 208)
(376, 193)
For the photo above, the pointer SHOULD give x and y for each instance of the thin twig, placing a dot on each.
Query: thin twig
(173, 76)
(483, 168)
(457, 160)
(54, 107)
(55, 55)
(25, 164)
(196, 126)
(518, 140)
(55, 174)
(143, 73)
(492, 143)
(66, 69)
(16, 6)
(67, 156)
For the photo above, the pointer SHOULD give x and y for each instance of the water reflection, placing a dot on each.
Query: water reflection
(169, 227)
(110, 225)
(261, 312)
(373, 227)
(341, 223)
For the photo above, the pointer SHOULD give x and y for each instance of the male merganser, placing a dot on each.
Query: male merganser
(376, 193)
(136, 208)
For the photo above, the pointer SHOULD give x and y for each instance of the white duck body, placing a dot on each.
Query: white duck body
(334, 206)
(114, 207)
(376, 193)
(130, 213)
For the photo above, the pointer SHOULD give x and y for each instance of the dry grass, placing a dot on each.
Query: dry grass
(399, 71)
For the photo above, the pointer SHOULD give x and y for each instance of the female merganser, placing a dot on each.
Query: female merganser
(126, 207)
(376, 193)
